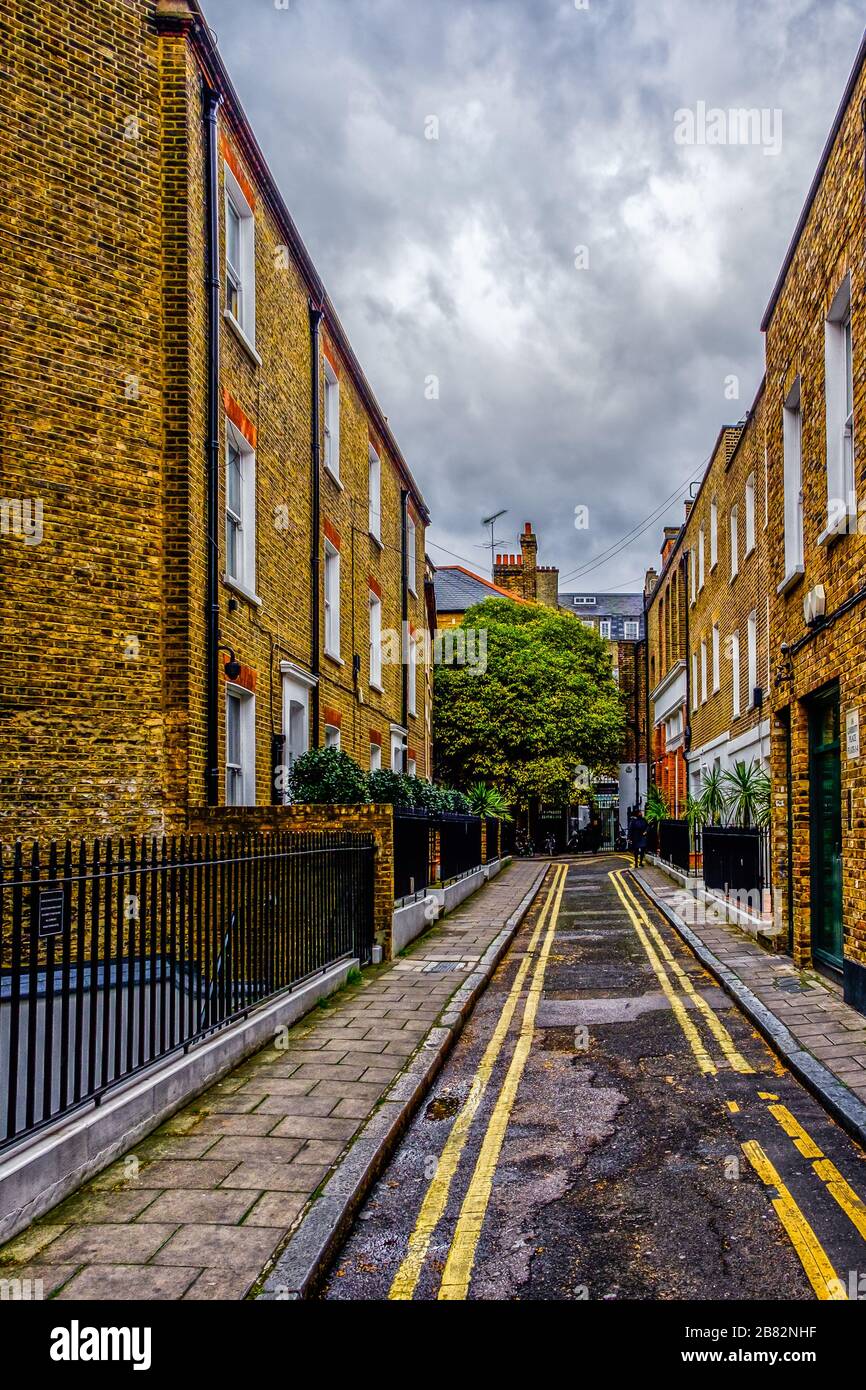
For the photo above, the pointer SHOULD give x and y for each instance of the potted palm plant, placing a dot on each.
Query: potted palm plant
(747, 794)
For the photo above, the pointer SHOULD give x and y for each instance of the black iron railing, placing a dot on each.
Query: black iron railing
(493, 825)
(506, 837)
(675, 844)
(413, 850)
(459, 845)
(736, 859)
(116, 955)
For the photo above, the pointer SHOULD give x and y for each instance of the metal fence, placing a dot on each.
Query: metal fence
(736, 858)
(459, 845)
(507, 830)
(413, 853)
(493, 825)
(117, 955)
(675, 844)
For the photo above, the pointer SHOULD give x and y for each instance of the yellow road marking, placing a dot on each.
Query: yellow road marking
(717, 1028)
(436, 1197)
(767, 1095)
(702, 1057)
(733, 1107)
(839, 1188)
(461, 1255)
(852, 1205)
(810, 1252)
(794, 1130)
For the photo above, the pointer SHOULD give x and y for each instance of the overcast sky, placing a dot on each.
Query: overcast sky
(567, 378)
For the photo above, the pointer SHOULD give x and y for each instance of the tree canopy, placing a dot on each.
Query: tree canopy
(542, 703)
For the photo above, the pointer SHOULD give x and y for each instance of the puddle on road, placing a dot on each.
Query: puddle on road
(442, 1107)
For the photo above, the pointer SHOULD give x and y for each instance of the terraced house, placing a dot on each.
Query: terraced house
(229, 562)
(815, 407)
(729, 607)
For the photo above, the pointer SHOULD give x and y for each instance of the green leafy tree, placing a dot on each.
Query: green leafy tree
(328, 776)
(541, 704)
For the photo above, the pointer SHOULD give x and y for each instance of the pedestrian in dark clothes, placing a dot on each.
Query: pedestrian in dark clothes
(637, 836)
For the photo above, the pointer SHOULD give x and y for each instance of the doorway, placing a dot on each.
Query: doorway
(825, 797)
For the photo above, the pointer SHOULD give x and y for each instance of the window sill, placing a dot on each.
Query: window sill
(239, 333)
(413, 592)
(241, 589)
(334, 477)
(840, 528)
(379, 689)
(734, 577)
(332, 656)
(792, 578)
(377, 540)
(749, 550)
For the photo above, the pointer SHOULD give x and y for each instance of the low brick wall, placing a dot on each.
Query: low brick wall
(375, 820)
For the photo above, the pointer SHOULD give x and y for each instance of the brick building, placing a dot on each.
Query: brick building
(729, 608)
(213, 549)
(521, 574)
(666, 596)
(815, 410)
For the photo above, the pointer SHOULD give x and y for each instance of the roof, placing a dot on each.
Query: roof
(186, 16)
(816, 182)
(606, 605)
(458, 589)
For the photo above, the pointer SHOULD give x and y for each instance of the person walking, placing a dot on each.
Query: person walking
(637, 837)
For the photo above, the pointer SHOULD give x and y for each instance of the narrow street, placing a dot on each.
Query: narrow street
(610, 1126)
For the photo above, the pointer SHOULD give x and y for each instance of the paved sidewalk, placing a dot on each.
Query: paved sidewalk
(810, 1007)
(199, 1209)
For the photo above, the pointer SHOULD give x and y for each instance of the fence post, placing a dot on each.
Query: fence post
(483, 840)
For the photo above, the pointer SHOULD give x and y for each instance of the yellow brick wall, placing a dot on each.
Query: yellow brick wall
(103, 395)
(831, 245)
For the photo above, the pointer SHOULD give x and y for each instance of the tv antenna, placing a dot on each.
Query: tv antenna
(491, 522)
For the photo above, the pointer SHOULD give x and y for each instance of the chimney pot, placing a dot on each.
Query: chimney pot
(527, 528)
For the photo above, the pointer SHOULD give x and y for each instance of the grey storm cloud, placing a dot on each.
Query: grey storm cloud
(455, 257)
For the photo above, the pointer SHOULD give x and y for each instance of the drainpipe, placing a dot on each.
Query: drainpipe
(789, 789)
(211, 101)
(315, 517)
(404, 606)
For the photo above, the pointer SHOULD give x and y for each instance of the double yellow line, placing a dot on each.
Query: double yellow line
(464, 1243)
(662, 960)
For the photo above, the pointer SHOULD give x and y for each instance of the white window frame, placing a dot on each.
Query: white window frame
(766, 487)
(241, 522)
(332, 600)
(331, 420)
(752, 655)
(703, 671)
(605, 628)
(701, 560)
(375, 757)
(296, 691)
(241, 277)
(398, 748)
(839, 402)
(695, 697)
(411, 767)
(240, 772)
(411, 555)
(734, 531)
(792, 439)
(631, 630)
(412, 676)
(693, 573)
(374, 476)
(333, 736)
(735, 673)
(750, 515)
(375, 619)
(717, 659)
(714, 533)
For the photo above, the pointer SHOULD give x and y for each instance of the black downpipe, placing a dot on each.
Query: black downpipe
(211, 102)
(315, 517)
(789, 797)
(687, 738)
(404, 605)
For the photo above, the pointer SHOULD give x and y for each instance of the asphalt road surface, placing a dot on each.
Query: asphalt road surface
(610, 1126)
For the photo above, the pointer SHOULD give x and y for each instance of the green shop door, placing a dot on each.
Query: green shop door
(825, 788)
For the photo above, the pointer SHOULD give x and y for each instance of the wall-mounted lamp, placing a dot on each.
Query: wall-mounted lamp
(232, 667)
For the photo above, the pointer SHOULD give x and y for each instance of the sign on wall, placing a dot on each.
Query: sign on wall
(852, 733)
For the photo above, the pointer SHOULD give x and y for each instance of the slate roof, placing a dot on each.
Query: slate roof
(458, 589)
(605, 606)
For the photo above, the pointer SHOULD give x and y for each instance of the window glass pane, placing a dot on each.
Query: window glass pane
(233, 237)
(849, 375)
(234, 480)
(233, 729)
